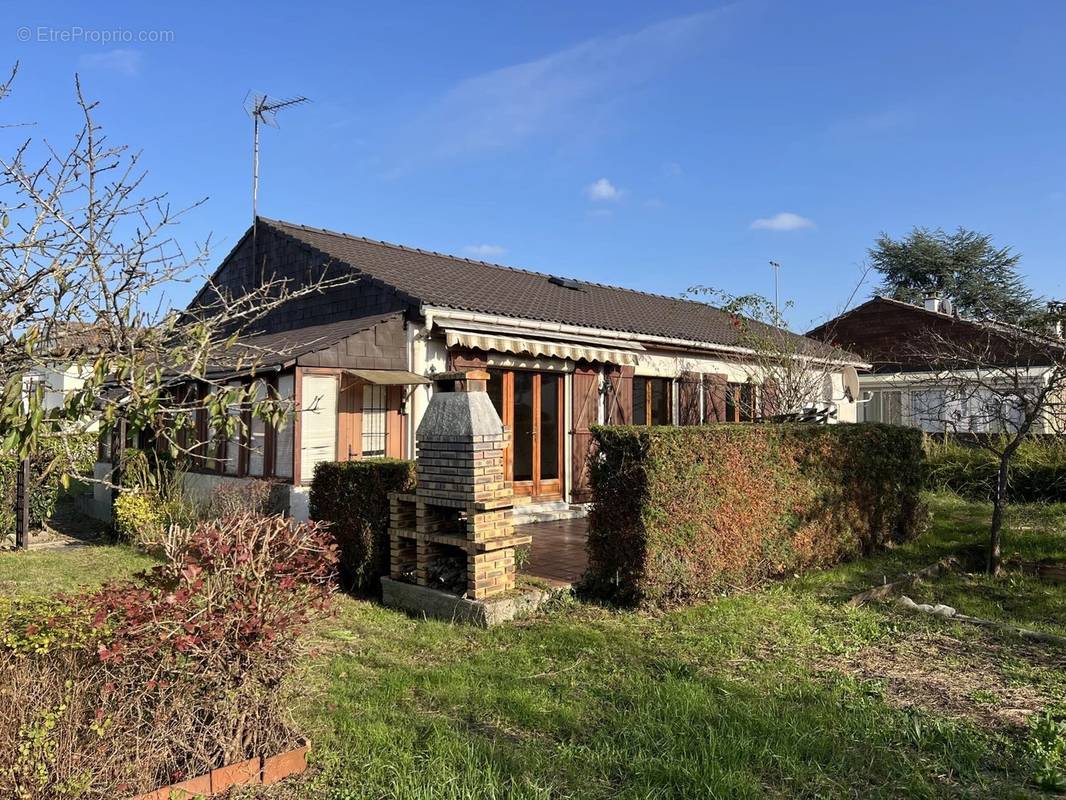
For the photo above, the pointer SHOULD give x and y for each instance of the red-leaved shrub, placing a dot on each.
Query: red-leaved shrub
(144, 683)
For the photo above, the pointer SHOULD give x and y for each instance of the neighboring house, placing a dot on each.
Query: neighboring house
(563, 355)
(903, 386)
(59, 374)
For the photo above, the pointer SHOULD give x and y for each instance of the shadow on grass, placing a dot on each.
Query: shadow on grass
(613, 707)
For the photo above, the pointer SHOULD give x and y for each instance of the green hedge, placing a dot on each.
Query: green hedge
(45, 491)
(682, 513)
(353, 496)
(1037, 471)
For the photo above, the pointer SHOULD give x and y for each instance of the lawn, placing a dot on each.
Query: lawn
(783, 692)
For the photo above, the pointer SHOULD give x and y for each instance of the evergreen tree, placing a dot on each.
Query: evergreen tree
(980, 279)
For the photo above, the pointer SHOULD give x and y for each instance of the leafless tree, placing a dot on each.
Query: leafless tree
(1001, 382)
(83, 247)
(796, 373)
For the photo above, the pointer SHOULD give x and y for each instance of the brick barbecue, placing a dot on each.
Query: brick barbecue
(460, 514)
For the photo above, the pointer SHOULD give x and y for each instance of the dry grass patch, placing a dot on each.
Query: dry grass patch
(960, 678)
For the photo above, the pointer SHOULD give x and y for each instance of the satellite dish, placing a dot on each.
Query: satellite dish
(851, 383)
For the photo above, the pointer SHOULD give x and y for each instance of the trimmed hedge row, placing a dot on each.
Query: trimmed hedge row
(45, 490)
(1037, 471)
(680, 513)
(353, 497)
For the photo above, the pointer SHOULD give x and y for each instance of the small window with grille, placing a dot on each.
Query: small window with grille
(375, 405)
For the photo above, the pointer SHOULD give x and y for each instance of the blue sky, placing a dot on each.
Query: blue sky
(654, 146)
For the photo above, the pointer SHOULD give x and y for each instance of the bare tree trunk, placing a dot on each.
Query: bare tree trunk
(999, 504)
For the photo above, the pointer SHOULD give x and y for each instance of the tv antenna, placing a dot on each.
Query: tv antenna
(262, 109)
(777, 296)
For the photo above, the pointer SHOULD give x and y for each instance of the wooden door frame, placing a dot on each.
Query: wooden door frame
(534, 488)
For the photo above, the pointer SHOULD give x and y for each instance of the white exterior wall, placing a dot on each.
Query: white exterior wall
(59, 381)
(909, 383)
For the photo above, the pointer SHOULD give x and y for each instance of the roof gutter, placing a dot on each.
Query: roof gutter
(430, 313)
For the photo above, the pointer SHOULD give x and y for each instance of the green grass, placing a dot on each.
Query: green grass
(754, 695)
(43, 572)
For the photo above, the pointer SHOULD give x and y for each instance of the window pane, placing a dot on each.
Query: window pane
(374, 410)
(660, 401)
(283, 445)
(892, 408)
(257, 433)
(871, 410)
(495, 390)
(640, 400)
(747, 402)
(731, 391)
(233, 443)
(549, 427)
(523, 426)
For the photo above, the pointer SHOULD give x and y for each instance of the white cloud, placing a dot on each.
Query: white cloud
(603, 190)
(785, 221)
(124, 62)
(569, 91)
(671, 169)
(484, 251)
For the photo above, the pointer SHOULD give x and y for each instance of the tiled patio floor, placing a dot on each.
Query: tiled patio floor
(558, 551)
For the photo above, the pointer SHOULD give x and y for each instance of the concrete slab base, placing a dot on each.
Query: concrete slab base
(422, 601)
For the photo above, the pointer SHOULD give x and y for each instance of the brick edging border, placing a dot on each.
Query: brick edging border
(260, 770)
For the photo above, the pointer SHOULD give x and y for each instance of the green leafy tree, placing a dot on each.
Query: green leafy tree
(980, 279)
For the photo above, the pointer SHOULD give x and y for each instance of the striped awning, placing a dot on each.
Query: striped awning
(603, 351)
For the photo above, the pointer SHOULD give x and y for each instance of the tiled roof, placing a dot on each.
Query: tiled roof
(460, 283)
(271, 349)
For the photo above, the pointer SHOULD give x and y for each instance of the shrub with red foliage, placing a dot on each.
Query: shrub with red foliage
(174, 674)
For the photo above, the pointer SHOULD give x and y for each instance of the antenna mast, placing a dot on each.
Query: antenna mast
(262, 109)
(777, 296)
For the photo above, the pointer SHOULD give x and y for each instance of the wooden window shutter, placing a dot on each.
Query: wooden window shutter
(688, 398)
(586, 387)
(714, 389)
(771, 398)
(620, 400)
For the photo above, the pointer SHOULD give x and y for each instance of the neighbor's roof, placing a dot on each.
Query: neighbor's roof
(884, 331)
(447, 281)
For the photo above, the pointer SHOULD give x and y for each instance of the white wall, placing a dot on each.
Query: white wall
(59, 381)
(910, 384)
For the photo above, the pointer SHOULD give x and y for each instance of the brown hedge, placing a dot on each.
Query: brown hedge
(353, 497)
(680, 513)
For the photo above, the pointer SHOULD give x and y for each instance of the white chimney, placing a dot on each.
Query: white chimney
(932, 302)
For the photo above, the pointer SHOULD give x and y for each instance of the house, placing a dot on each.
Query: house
(563, 355)
(905, 387)
(60, 370)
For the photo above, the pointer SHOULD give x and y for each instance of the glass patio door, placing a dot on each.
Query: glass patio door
(531, 404)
